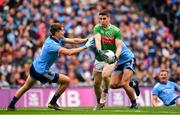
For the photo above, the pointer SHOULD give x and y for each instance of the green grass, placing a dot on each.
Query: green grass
(88, 110)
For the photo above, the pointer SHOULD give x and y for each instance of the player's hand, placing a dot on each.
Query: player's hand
(103, 55)
(89, 43)
(91, 39)
(115, 59)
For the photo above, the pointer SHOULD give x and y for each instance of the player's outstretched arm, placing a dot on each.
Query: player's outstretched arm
(72, 51)
(154, 100)
(177, 87)
(75, 40)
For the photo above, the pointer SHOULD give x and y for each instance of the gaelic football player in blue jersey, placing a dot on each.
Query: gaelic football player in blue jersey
(121, 76)
(40, 69)
(165, 90)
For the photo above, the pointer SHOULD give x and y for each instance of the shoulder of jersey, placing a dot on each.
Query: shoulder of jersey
(115, 27)
(157, 84)
(50, 41)
(97, 25)
(171, 82)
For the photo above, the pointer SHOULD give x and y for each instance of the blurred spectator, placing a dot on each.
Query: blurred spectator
(3, 82)
(86, 74)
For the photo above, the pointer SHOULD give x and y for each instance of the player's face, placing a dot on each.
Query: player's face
(163, 76)
(104, 20)
(60, 33)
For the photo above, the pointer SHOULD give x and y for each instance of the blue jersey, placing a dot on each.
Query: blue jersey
(126, 54)
(49, 53)
(166, 92)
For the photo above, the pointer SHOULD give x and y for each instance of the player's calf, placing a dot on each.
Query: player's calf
(135, 86)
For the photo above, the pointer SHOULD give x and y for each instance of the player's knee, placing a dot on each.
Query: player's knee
(114, 86)
(68, 80)
(119, 85)
(123, 84)
(105, 75)
(65, 80)
(97, 84)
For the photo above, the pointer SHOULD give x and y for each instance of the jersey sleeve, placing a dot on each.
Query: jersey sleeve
(118, 35)
(96, 30)
(176, 86)
(62, 41)
(155, 91)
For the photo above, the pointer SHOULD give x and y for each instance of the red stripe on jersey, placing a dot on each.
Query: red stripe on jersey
(107, 40)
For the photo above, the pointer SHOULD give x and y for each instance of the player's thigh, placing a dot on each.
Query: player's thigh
(107, 70)
(97, 77)
(63, 79)
(116, 78)
(126, 77)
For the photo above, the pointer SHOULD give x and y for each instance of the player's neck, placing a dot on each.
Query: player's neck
(107, 26)
(163, 82)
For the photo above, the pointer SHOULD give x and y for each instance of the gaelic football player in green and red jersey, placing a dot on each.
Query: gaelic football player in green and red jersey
(109, 37)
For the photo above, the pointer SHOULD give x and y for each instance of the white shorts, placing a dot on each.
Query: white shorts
(99, 65)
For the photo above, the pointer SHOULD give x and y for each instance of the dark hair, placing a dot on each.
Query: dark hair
(164, 70)
(104, 12)
(55, 27)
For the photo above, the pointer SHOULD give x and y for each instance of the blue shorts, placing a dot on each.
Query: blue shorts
(173, 101)
(43, 78)
(127, 65)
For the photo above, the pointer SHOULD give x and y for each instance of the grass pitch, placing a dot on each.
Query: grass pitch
(89, 111)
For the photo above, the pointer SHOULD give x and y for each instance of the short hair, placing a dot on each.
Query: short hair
(104, 12)
(56, 27)
(164, 70)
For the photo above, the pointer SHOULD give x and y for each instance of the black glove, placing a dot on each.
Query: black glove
(103, 55)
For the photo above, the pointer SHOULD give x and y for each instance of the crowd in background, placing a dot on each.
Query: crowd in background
(166, 10)
(24, 27)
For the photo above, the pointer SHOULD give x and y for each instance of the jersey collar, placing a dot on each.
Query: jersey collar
(54, 39)
(107, 27)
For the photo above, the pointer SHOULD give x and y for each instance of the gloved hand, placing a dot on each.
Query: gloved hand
(103, 55)
(91, 39)
(89, 43)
